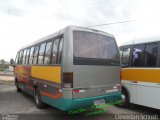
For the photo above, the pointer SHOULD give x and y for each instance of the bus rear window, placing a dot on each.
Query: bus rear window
(93, 45)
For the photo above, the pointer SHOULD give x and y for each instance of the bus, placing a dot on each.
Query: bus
(72, 68)
(141, 72)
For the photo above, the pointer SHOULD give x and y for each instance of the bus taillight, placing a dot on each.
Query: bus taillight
(68, 79)
(117, 87)
(76, 91)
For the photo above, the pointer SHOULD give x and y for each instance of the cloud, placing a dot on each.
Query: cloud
(23, 21)
(11, 7)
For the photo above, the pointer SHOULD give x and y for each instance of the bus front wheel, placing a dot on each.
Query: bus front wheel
(17, 86)
(37, 97)
(125, 99)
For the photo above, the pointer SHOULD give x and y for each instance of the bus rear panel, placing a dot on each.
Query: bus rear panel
(93, 69)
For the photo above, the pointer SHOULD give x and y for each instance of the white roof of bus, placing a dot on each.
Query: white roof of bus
(60, 32)
(42, 39)
(142, 40)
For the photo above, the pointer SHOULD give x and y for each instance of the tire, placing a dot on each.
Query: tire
(125, 99)
(18, 89)
(37, 98)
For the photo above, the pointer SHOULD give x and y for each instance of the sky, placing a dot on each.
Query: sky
(24, 21)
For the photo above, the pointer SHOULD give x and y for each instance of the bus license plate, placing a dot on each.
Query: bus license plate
(99, 102)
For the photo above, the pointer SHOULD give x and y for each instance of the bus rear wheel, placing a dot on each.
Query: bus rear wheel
(37, 97)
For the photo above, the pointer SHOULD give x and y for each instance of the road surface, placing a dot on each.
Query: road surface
(21, 106)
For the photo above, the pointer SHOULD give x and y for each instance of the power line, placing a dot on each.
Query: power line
(111, 23)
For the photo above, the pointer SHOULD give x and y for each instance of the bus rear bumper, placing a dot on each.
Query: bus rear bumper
(84, 102)
(70, 104)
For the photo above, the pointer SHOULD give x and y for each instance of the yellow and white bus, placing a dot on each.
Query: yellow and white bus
(72, 68)
(141, 72)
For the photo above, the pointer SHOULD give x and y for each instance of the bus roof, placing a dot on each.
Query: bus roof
(61, 32)
(142, 40)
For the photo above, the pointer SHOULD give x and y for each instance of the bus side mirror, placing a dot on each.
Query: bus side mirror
(12, 62)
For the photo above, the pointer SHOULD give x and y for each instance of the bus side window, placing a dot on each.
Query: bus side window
(47, 57)
(125, 57)
(35, 56)
(17, 57)
(151, 55)
(60, 51)
(55, 51)
(121, 54)
(24, 56)
(20, 57)
(138, 56)
(27, 56)
(41, 53)
(31, 55)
